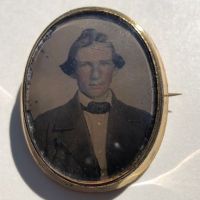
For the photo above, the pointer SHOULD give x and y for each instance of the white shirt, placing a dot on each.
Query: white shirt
(97, 126)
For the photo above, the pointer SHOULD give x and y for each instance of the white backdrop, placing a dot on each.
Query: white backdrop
(175, 29)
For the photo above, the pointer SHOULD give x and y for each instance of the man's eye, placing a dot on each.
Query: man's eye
(85, 64)
(105, 63)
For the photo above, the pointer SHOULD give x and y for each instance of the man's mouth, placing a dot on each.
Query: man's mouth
(96, 86)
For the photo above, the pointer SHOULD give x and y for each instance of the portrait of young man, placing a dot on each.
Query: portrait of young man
(94, 135)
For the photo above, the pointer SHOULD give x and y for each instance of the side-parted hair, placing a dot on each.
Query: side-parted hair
(87, 37)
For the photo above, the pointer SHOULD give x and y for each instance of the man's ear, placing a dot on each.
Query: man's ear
(73, 75)
(115, 72)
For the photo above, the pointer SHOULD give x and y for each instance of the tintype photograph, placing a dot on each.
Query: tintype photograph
(90, 97)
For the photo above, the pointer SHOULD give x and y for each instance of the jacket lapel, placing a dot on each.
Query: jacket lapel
(74, 135)
(121, 136)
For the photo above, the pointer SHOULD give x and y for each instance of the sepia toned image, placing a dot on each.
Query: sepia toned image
(91, 98)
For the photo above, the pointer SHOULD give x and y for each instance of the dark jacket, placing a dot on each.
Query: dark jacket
(62, 136)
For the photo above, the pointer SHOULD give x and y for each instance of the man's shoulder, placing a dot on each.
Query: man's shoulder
(140, 119)
(50, 115)
(131, 112)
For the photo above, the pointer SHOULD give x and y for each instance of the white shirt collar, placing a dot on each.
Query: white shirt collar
(84, 100)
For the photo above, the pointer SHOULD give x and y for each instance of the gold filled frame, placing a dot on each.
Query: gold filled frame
(142, 163)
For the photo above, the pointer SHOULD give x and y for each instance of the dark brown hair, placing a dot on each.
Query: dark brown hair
(87, 37)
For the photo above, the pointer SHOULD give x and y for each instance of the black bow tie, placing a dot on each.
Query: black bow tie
(97, 107)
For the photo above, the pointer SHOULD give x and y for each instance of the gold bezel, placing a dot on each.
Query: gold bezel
(159, 126)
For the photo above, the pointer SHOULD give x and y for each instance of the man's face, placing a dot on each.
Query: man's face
(94, 69)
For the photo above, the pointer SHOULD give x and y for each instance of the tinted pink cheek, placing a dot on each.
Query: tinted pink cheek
(85, 79)
(83, 75)
(108, 75)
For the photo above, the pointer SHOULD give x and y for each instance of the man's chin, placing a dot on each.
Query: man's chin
(96, 95)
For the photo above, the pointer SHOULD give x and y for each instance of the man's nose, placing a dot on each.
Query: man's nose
(95, 74)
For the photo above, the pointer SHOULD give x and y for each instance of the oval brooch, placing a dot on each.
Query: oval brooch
(94, 100)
